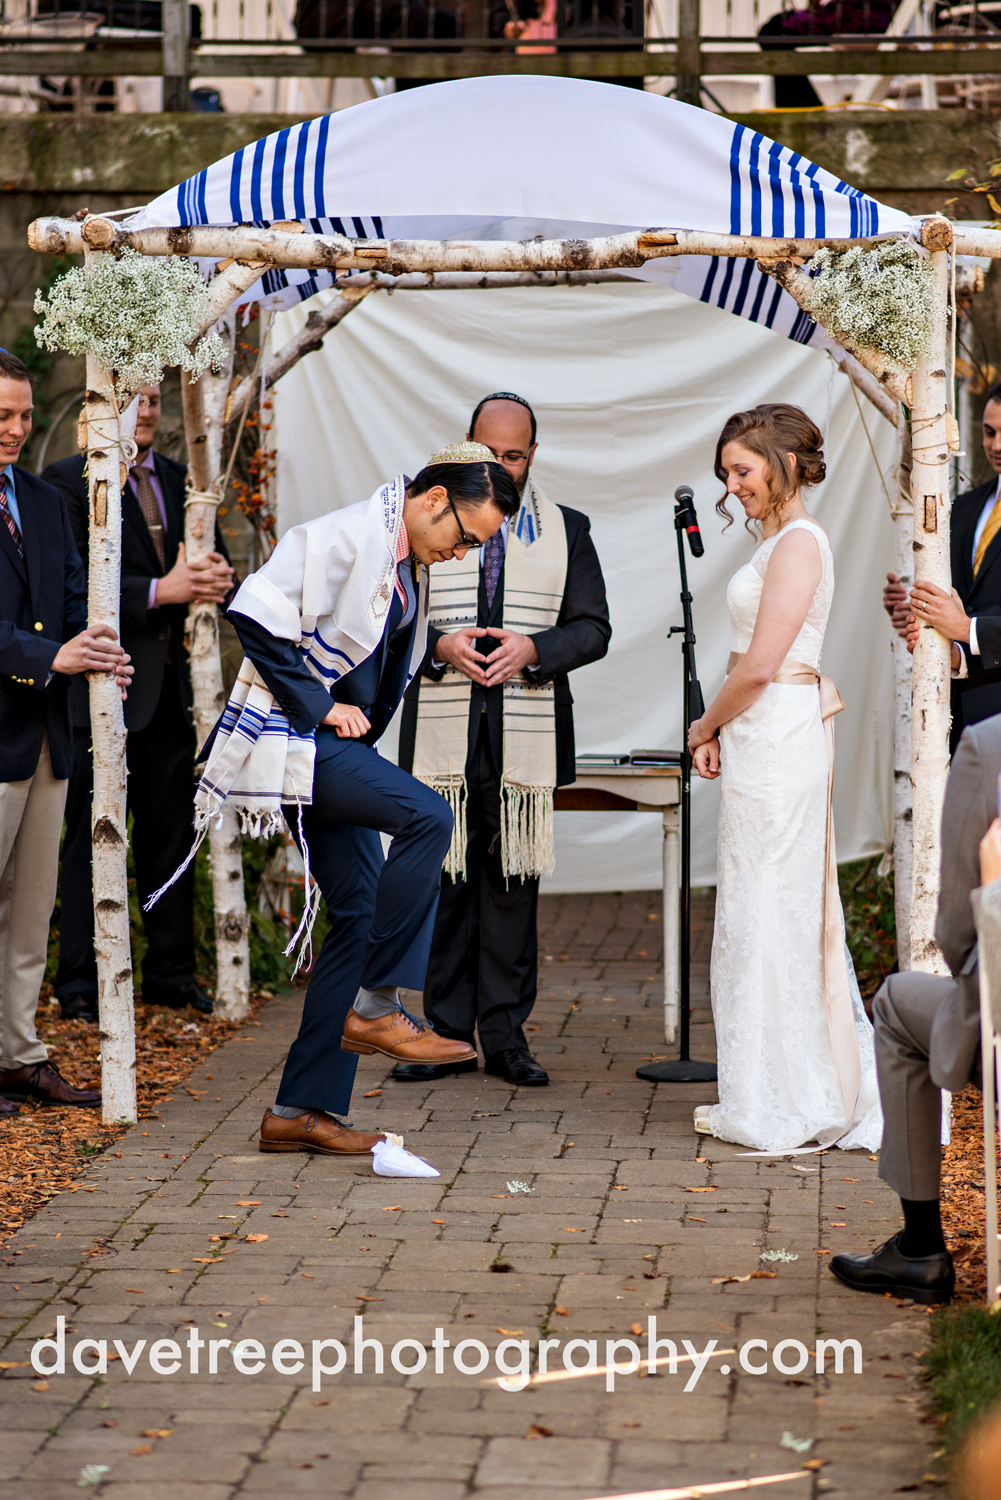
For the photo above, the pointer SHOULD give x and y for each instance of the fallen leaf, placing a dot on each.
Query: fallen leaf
(174, 1271)
(851, 1179)
(255, 1239)
(248, 1203)
(762, 1276)
(110, 1423)
(309, 1275)
(823, 1252)
(510, 1332)
(632, 1424)
(437, 1221)
(814, 1463)
(14, 1364)
(157, 1432)
(392, 1208)
(360, 1298)
(636, 1328)
(141, 1451)
(372, 1094)
(537, 1431)
(302, 1466)
(700, 1190)
(203, 1260)
(563, 1312)
(322, 1403)
(137, 1289)
(567, 1230)
(694, 1219)
(838, 1225)
(40, 1385)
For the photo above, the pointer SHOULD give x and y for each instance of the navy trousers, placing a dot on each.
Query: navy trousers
(381, 911)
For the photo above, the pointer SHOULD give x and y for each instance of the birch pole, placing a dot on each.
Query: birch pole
(902, 511)
(931, 670)
(108, 436)
(204, 402)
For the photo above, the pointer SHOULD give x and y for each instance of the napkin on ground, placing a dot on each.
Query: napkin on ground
(391, 1159)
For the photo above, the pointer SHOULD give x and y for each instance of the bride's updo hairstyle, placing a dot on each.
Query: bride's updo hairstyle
(773, 432)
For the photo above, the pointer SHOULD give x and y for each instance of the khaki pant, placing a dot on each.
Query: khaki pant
(31, 820)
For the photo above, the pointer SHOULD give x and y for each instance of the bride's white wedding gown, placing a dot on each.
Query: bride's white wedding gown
(779, 1084)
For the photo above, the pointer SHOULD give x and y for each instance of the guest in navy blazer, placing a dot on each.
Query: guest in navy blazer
(43, 642)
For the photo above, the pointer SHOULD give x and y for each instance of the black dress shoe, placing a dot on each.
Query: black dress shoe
(516, 1065)
(928, 1279)
(79, 1007)
(8, 1110)
(177, 996)
(417, 1072)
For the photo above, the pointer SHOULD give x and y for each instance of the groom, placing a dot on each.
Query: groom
(334, 625)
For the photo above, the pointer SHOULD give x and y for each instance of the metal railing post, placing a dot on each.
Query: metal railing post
(175, 54)
(689, 83)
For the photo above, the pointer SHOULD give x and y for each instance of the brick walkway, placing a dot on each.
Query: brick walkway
(610, 1233)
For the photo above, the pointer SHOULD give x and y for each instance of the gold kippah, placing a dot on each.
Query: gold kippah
(462, 453)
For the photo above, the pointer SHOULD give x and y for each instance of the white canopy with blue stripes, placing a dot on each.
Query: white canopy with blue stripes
(513, 158)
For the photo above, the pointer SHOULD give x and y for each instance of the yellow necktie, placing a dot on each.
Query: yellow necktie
(987, 535)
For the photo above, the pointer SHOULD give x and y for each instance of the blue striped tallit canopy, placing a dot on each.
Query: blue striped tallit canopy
(513, 158)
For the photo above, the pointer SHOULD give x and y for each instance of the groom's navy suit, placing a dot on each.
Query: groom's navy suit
(381, 911)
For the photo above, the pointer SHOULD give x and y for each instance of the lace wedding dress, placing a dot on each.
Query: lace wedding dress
(779, 1084)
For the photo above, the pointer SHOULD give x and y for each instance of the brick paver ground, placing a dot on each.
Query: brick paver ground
(629, 1214)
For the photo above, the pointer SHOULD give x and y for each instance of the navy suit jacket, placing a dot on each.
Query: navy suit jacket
(145, 632)
(977, 696)
(43, 602)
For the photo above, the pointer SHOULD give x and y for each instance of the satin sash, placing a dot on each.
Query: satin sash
(840, 1015)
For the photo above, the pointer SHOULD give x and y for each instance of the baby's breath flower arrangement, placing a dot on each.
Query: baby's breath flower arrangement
(882, 299)
(137, 314)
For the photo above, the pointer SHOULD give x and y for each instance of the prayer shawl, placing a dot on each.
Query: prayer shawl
(328, 587)
(535, 570)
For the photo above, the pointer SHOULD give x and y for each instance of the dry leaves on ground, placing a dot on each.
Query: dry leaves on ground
(963, 1195)
(45, 1150)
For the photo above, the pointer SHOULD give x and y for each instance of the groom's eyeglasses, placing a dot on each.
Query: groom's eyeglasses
(464, 540)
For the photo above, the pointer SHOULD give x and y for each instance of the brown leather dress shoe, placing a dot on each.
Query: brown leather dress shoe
(315, 1131)
(399, 1035)
(44, 1083)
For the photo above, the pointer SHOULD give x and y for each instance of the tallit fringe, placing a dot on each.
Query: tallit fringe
(526, 819)
(453, 789)
(203, 820)
(260, 823)
(310, 910)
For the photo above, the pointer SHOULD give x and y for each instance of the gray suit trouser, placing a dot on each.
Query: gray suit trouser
(904, 1012)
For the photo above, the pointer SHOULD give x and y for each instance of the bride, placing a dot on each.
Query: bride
(795, 1049)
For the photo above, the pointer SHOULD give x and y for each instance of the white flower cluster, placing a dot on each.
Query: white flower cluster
(882, 299)
(137, 314)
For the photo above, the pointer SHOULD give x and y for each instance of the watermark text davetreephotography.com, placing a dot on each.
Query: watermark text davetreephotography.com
(558, 1359)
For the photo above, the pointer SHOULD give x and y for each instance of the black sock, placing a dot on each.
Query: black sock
(922, 1228)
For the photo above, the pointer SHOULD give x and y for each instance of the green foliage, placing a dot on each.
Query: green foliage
(870, 921)
(963, 1369)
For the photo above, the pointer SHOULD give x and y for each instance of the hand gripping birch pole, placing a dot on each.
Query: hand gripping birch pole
(204, 401)
(931, 670)
(110, 445)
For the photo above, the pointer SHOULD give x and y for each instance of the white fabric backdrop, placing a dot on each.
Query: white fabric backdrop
(631, 385)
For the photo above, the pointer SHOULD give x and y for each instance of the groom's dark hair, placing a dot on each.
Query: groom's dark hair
(471, 485)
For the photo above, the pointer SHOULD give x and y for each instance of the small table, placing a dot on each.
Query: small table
(654, 789)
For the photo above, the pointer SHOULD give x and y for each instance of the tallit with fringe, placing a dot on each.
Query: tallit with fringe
(328, 587)
(535, 570)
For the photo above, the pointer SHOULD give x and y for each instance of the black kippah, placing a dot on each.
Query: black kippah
(502, 396)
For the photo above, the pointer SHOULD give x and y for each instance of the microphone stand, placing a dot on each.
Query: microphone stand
(686, 1069)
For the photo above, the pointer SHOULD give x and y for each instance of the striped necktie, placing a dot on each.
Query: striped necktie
(150, 507)
(987, 536)
(8, 518)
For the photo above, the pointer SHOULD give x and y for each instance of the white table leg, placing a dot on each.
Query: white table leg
(672, 915)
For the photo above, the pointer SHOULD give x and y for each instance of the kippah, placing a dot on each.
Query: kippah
(462, 453)
(506, 396)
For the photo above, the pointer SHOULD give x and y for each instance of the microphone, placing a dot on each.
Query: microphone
(686, 519)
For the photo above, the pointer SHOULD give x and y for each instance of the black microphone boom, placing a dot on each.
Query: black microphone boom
(686, 519)
(686, 1069)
